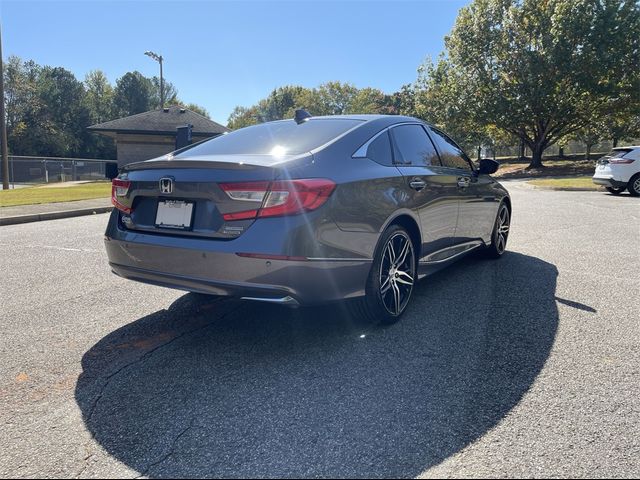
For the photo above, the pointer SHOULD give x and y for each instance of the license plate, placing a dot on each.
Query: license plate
(174, 214)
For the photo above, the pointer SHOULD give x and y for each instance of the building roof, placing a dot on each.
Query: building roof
(161, 122)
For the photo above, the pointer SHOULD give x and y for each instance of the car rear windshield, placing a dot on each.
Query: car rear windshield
(618, 153)
(274, 138)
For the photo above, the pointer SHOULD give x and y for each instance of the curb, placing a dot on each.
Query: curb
(39, 217)
(565, 189)
(568, 189)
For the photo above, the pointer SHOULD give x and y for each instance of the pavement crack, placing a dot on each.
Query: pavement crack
(147, 354)
(85, 461)
(171, 451)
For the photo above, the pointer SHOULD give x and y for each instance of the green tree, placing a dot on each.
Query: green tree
(622, 125)
(198, 109)
(242, 117)
(589, 135)
(441, 98)
(367, 100)
(99, 101)
(331, 98)
(542, 70)
(281, 103)
(133, 94)
(48, 111)
(402, 102)
(23, 105)
(99, 96)
(62, 128)
(170, 93)
(497, 139)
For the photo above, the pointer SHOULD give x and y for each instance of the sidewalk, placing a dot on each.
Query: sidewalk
(52, 211)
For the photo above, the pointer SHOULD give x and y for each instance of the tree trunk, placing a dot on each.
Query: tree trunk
(561, 152)
(479, 151)
(521, 151)
(588, 152)
(615, 142)
(536, 156)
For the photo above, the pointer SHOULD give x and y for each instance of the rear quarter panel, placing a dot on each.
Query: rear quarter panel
(367, 198)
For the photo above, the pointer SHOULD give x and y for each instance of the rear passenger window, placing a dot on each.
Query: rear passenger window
(413, 146)
(380, 150)
(451, 155)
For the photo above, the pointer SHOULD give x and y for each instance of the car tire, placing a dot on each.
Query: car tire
(615, 191)
(500, 233)
(634, 185)
(390, 283)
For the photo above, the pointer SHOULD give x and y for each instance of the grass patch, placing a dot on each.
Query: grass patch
(571, 183)
(47, 194)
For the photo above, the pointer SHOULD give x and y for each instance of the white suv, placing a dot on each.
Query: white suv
(620, 170)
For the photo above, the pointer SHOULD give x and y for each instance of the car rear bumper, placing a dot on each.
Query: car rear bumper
(608, 182)
(214, 267)
(205, 285)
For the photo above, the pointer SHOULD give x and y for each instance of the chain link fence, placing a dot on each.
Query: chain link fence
(571, 149)
(35, 170)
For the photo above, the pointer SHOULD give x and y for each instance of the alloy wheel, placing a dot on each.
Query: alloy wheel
(636, 185)
(502, 230)
(397, 273)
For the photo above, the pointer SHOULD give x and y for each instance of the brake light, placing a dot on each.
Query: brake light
(119, 189)
(288, 197)
(621, 161)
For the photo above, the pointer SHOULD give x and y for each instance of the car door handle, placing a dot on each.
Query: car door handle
(463, 182)
(417, 184)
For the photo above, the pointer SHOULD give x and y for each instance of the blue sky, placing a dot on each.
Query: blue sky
(222, 54)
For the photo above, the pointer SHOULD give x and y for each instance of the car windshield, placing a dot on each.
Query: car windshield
(274, 138)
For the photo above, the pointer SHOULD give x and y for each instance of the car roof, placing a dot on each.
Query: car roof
(369, 117)
(626, 148)
(364, 117)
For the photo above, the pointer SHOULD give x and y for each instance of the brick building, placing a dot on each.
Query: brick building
(151, 134)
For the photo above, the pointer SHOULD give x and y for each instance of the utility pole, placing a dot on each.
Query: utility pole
(158, 58)
(3, 125)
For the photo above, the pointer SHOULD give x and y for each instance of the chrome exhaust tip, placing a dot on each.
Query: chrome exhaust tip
(288, 300)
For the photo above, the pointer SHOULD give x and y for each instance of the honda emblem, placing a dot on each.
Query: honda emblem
(166, 185)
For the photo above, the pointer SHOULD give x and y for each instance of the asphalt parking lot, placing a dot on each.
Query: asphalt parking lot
(529, 366)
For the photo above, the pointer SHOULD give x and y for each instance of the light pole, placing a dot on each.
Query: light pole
(158, 58)
(3, 129)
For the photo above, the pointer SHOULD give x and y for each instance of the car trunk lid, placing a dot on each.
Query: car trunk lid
(187, 197)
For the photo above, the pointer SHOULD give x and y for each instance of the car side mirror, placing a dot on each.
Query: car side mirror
(488, 166)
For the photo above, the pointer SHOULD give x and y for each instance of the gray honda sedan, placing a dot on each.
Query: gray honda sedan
(308, 210)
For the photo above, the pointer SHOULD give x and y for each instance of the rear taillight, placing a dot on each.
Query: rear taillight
(119, 189)
(279, 198)
(621, 161)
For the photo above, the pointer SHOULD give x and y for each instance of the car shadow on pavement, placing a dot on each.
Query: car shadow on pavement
(213, 388)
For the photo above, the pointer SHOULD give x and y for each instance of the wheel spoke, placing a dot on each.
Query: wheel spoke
(404, 277)
(386, 285)
(396, 297)
(392, 253)
(403, 254)
(501, 242)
